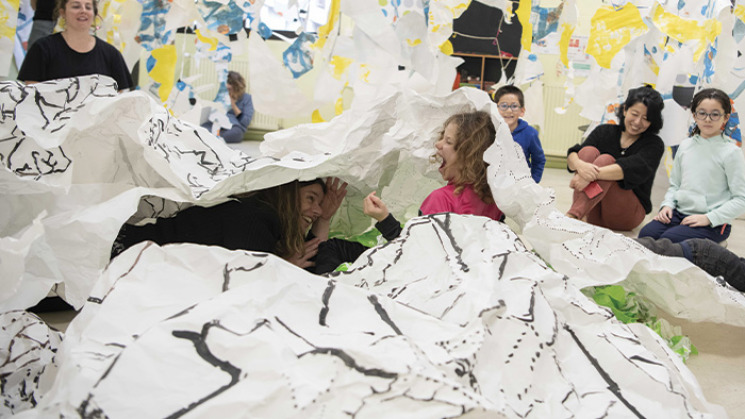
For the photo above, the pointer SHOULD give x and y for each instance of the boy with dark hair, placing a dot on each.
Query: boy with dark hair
(511, 104)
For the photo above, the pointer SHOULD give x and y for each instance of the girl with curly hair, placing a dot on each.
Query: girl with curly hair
(460, 152)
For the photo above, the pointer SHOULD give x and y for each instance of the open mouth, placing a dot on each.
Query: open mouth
(442, 165)
(307, 219)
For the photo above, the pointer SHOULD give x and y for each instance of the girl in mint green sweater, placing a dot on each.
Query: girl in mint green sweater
(707, 183)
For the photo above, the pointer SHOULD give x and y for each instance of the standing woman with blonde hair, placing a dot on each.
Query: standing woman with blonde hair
(75, 51)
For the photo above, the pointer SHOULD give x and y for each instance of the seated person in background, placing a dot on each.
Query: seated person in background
(614, 168)
(460, 150)
(704, 253)
(511, 104)
(288, 220)
(74, 51)
(241, 110)
(707, 183)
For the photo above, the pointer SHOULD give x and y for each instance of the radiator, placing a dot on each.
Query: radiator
(561, 131)
(206, 87)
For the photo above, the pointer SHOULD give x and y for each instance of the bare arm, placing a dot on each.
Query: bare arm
(610, 172)
(586, 171)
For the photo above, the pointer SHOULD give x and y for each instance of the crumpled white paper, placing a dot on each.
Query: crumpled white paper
(27, 349)
(448, 276)
(456, 318)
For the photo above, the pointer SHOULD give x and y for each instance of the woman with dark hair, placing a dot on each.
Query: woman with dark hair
(614, 167)
(288, 220)
(241, 110)
(74, 51)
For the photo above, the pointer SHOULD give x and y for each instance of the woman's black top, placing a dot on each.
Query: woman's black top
(639, 162)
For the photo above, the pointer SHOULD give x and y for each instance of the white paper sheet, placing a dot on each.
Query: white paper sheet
(451, 298)
(677, 120)
(466, 323)
(27, 350)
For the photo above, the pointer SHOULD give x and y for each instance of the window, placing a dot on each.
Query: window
(291, 15)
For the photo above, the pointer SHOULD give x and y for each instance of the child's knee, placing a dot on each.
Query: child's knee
(654, 229)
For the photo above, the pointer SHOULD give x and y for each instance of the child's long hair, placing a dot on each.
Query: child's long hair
(285, 200)
(475, 134)
(710, 93)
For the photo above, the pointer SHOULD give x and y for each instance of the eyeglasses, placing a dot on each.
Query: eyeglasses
(512, 106)
(701, 115)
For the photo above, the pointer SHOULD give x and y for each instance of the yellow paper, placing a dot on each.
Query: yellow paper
(523, 14)
(566, 35)
(611, 30)
(447, 48)
(163, 70)
(212, 42)
(8, 25)
(325, 30)
(339, 65)
(316, 117)
(685, 30)
(739, 12)
(365, 73)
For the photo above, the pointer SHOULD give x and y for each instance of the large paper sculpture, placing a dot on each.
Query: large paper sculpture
(455, 318)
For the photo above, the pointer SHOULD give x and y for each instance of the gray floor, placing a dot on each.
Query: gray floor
(720, 366)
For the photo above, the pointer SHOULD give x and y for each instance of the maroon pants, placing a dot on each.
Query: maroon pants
(614, 208)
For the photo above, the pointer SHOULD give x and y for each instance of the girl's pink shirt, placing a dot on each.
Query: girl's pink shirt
(467, 202)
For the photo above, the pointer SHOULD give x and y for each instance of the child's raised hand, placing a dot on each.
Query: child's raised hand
(696, 220)
(373, 207)
(665, 215)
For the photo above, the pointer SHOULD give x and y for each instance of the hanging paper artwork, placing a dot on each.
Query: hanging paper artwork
(545, 22)
(222, 18)
(8, 22)
(298, 56)
(612, 30)
(153, 32)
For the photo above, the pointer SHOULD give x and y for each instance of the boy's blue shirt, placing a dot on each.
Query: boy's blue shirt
(527, 137)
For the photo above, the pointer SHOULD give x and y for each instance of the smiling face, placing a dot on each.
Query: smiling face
(450, 167)
(311, 197)
(707, 126)
(513, 110)
(635, 119)
(78, 14)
